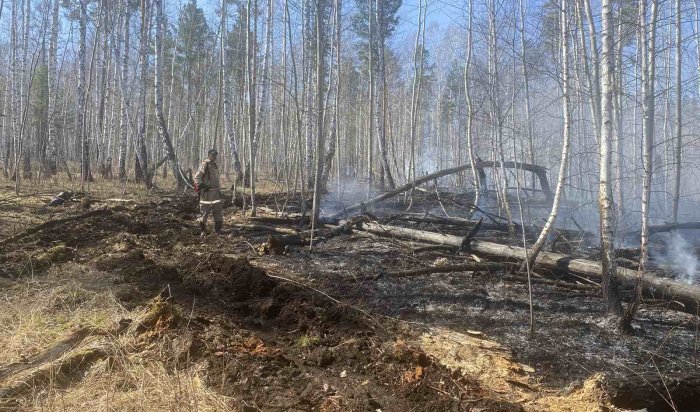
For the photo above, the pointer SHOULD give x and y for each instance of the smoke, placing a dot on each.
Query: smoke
(350, 192)
(680, 256)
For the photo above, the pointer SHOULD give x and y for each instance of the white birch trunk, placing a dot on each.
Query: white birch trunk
(80, 109)
(124, 86)
(679, 113)
(229, 126)
(51, 91)
(648, 86)
(160, 119)
(609, 279)
(566, 109)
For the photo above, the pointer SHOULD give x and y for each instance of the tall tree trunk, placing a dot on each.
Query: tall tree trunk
(370, 107)
(320, 137)
(332, 141)
(648, 79)
(103, 89)
(418, 61)
(526, 84)
(382, 124)
(124, 88)
(162, 125)
(80, 110)
(471, 111)
(140, 144)
(566, 109)
(679, 113)
(609, 278)
(266, 81)
(229, 126)
(252, 96)
(52, 84)
(595, 84)
(15, 101)
(618, 145)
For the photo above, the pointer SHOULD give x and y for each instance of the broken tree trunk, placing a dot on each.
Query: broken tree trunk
(687, 295)
(540, 171)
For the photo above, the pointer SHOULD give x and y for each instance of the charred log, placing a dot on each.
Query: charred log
(659, 288)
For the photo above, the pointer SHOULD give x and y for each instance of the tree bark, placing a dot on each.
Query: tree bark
(608, 270)
(566, 109)
(229, 126)
(476, 173)
(648, 79)
(124, 87)
(320, 137)
(52, 86)
(140, 143)
(382, 124)
(679, 114)
(162, 125)
(80, 109)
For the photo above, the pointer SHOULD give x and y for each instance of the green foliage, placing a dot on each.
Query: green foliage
(388, 21)
(236, 44)
(195, 38)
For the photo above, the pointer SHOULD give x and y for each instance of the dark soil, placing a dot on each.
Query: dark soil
(296, 332)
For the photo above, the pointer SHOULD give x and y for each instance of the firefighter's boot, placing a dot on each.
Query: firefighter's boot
(202, 229)
(217, 226)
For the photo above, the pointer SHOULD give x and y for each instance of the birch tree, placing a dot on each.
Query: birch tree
(251, 79)
(82, 137)
(162, 125)
(471, 109)
(124, 90)
(609, 280)
(320, 137)
(52, 85)
(566, 110)
(142, 171)
(679, 117)
(332, 140)
(648, 28)
(229, 127)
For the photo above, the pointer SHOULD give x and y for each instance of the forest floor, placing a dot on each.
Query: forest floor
(126, 308)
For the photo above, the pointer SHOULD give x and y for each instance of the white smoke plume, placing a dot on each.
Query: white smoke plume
(680, 256)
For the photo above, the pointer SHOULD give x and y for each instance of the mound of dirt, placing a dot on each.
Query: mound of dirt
(228, 277)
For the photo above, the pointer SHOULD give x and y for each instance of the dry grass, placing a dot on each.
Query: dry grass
(131, 383)
(135, 377)
(35, 315)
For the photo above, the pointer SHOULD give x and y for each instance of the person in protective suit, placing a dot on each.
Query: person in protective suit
(208, 184)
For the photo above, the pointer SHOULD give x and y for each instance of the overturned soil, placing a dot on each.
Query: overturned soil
(306, 329)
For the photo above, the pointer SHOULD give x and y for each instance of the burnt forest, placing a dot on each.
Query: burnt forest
(350, 205)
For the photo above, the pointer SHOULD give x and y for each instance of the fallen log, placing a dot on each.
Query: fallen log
(667, 228)
(264, 228)
(449, 221)
(540, 171)
(688, 295)
(277, 244)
